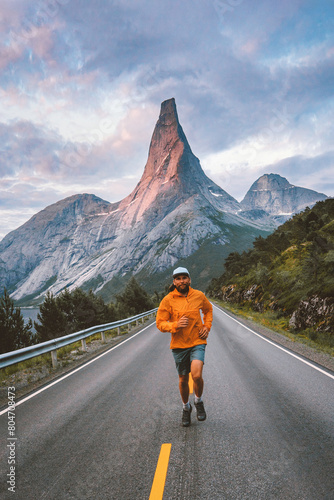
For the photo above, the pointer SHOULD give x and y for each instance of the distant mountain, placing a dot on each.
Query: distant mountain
(175, 215)
(275, 196)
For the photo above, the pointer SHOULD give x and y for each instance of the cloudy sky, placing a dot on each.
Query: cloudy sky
(81, 84)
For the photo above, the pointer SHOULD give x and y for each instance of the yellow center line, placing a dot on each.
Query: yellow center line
(191, 384)
(159, 480)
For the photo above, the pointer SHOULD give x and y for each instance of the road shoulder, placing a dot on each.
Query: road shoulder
(24, 387)
(316, 356)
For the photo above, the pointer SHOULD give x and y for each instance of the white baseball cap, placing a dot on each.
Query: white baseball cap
(180, 270)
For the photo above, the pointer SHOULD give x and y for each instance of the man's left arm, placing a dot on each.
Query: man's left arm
(207, 318)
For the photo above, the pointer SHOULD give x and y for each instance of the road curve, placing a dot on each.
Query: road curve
(98, 432)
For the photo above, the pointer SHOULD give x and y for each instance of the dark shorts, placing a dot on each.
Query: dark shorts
(184, 357)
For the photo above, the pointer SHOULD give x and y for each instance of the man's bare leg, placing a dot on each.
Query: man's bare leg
(184, 387)
(184, 391)
(196, 373)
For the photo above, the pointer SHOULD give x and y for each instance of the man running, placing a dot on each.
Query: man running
(179, 314)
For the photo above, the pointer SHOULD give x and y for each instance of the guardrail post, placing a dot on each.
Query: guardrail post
(54, 358)
(83, 344)
(129, 327)
(103, 337)
(118, 330)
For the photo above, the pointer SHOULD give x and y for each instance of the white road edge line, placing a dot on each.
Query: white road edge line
(278, 347)
(74, 371)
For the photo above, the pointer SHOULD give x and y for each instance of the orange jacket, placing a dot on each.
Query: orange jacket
(175, 305)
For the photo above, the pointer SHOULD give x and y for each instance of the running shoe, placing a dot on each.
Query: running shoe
(201, 414)
(186, 419)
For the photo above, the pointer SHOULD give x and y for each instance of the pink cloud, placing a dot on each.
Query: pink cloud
(9, 55)
(136, 128)
(13, 97)
(11, 17)
(42, 43)
(330, 53)
(251, 46)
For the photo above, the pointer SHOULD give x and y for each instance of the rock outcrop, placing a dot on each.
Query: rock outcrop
(251, 296)
(315, 313)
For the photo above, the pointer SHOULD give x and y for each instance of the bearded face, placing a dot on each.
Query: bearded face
(182, 283)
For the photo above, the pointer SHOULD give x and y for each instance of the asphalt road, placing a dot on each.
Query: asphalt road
(98, 432)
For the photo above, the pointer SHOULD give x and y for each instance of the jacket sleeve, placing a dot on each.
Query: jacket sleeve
(163, 318)
(207, 311)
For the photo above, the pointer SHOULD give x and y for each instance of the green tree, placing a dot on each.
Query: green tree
(52, 320)
(88, 309)
(233, 264)
(14, 333)
(70, 312)
(134, 300)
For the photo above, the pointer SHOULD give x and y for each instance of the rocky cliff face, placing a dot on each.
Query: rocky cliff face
(316, 312)
(276, 196)
(172, 174)
(55, 239)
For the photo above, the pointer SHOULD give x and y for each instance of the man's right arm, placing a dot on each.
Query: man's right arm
(163, 318)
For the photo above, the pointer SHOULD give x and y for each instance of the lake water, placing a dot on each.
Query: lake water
(29, 312)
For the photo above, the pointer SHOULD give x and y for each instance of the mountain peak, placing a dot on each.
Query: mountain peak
(168, 140)
(168, 109)
(271, 181)
(275, 195)
(172, 172)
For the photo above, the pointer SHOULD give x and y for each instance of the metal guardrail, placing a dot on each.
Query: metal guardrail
(10, 358)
